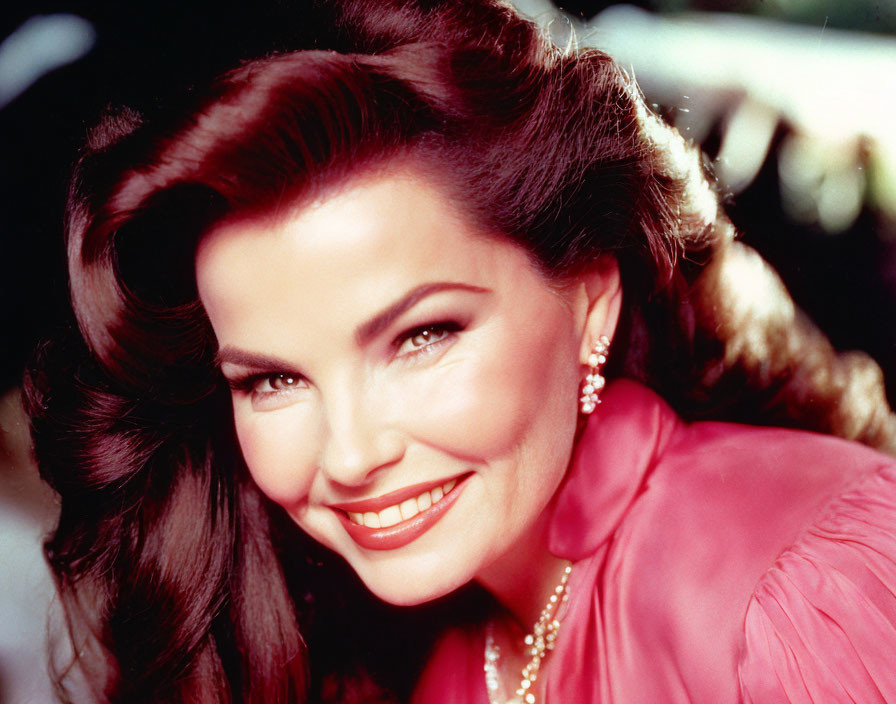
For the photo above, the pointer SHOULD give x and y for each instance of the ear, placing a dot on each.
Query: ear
(600, 299)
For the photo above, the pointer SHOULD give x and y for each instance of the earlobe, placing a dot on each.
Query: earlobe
(603, 289)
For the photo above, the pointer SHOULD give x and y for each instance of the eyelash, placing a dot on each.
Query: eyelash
(249, 382)
(448, 327)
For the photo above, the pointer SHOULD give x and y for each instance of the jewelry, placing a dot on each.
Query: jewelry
(541, 640)
(594, 381)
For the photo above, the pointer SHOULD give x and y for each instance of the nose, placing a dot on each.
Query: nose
(359, 437)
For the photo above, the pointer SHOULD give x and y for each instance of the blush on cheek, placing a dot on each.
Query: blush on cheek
(276, 463)
(476, 408)
(493, 402)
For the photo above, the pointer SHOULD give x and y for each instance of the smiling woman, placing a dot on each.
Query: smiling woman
(361, 309)
(397, 365)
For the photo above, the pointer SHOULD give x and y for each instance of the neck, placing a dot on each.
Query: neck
(524, 578)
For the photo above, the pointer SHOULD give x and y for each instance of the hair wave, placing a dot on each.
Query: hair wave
(166, 555)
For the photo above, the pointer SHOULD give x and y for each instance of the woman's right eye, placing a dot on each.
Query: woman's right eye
(269, 392)
(267, 387)
(276, 383)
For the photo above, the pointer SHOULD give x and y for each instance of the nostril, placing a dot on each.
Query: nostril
(359, 439)
(351, 459)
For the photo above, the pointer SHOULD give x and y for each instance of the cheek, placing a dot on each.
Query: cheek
(473, 411)
(491, 404)
(278, 457)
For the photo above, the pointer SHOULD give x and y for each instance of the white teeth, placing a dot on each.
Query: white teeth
(404, 511)
(409, 509)
(390, 517)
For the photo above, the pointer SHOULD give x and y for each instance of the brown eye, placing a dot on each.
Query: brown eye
(283, 381)
(422, 338)
(428, 336)
(278, 382)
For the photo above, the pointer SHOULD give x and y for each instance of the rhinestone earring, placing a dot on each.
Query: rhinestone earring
(594, 381)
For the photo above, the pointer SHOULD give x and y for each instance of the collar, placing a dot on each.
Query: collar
(615, 452)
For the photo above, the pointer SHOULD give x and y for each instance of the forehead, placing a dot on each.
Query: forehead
(348, 252)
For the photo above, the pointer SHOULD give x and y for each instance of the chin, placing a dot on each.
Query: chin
(410, 585)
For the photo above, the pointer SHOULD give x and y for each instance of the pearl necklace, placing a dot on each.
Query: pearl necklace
(538, 642)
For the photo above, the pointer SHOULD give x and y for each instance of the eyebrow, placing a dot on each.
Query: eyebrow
(365, 332)
(244, 358)
(383, 319)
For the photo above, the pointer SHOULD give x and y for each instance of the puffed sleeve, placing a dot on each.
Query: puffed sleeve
(821, 624)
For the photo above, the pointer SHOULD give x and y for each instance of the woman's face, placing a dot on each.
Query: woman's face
(404, 385)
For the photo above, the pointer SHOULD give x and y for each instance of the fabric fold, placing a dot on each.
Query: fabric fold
(607, 471)
(715, 563)
(821, 625)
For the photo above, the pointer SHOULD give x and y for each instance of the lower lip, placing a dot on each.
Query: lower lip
(400, 534)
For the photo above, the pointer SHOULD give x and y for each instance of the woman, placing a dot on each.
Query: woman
(401, 275)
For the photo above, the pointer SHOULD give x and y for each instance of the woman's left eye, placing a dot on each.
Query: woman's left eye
(424, 338)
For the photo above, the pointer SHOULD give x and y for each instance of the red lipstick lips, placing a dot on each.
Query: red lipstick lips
(406, 531)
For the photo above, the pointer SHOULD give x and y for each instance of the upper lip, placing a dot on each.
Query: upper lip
(378, 503)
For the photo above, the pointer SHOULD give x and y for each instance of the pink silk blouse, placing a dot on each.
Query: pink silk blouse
(713, 563)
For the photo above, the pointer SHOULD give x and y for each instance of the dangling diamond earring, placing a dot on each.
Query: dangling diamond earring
(594, 381)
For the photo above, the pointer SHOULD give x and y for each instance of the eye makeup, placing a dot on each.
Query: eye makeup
(426, 339)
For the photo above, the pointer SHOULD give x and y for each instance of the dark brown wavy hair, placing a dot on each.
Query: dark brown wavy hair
(176, 577)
